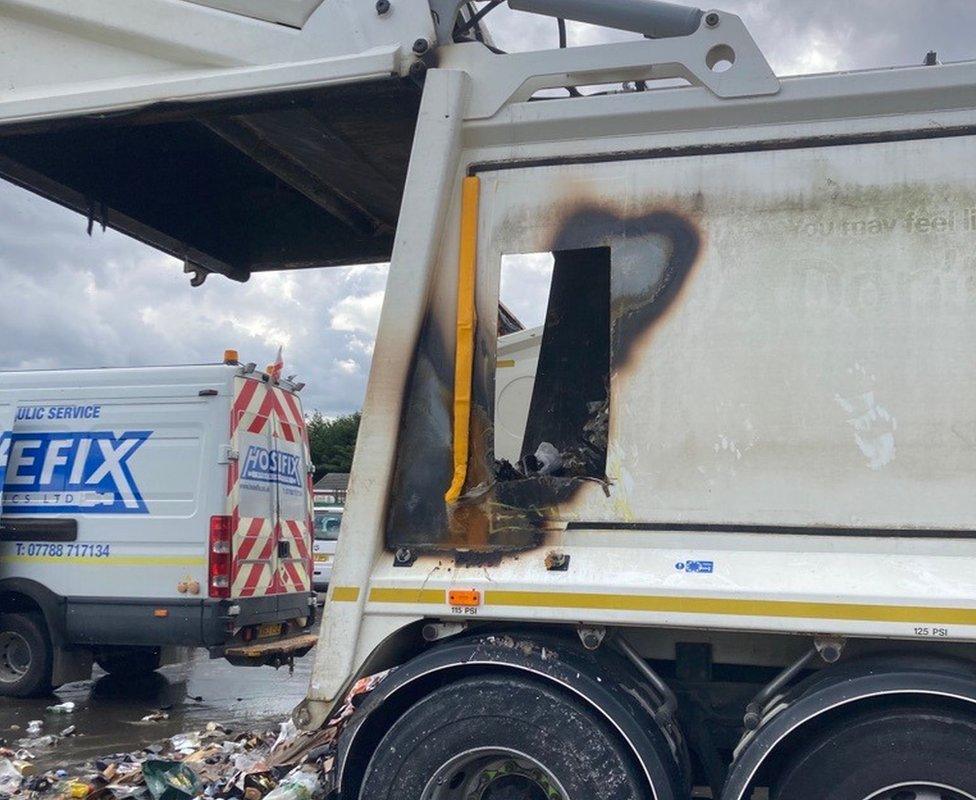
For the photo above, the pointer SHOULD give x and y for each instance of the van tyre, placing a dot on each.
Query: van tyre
(499, 737)
(902, 753)
(130, 662)
(26, 656)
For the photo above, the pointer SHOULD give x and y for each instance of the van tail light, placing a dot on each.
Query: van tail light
(221, 557)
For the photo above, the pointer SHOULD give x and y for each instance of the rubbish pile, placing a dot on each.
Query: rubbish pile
(216, 762)
(584, 458)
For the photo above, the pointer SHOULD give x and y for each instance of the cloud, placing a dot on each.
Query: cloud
(70, 300)
(358, 313)
(347, 365)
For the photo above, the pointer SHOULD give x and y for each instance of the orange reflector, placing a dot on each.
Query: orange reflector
(161, 612)
(464, 597)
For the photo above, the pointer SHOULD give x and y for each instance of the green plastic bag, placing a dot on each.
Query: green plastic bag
(170, 780)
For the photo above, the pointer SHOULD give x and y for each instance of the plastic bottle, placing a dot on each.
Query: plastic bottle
(297, 785)
(10, 777)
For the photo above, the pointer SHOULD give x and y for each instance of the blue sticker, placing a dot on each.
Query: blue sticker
(263, 465)
(71, 473)
(699, 567)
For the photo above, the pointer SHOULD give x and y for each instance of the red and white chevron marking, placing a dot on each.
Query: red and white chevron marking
(257, 569)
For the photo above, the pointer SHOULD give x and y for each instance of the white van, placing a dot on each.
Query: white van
(148, 509)
(328, 520)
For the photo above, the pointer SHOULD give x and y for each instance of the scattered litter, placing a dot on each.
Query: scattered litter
(40, 741)
(10, 777)
(209, 764)
(34, 727)
(287, 732)
(546, 461)
(66, 707)
(186, 743)
(78, 790)
(25, 768)
(170, 780)
(297, 785)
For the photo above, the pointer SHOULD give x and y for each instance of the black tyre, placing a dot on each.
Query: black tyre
(497, 737)
(130, 661)
(26, 656)
(906, 753)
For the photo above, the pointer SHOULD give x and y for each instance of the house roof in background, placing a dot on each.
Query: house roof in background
(333, 481)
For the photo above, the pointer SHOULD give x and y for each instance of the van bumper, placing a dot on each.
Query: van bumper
(187, 623)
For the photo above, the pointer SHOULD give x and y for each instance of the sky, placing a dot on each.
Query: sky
(70, 300)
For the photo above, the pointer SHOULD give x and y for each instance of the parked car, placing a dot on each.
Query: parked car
(327, 522)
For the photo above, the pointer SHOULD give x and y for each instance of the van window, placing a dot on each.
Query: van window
(327, 525)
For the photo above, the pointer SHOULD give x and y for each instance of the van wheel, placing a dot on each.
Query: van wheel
(497, 737)
(130, 661)
(26, 656)
(907, 753)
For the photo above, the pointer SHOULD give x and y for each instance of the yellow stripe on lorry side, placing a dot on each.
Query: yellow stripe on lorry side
(858, 612)
(739, 608)
(345, 594)
(419, 596)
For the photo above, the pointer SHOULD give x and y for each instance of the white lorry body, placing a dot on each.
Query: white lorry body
(754, 376)
(118, 484)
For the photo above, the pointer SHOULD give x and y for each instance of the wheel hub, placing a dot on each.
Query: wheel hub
(493, 775)
(15, 657)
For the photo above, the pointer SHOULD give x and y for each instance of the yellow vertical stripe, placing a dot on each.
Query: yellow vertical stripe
(466, 319)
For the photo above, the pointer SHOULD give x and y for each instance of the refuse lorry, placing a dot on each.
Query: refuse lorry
(147, 510)
(734, 548)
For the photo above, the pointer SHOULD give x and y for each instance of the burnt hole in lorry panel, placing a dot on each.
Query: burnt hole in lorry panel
(564, 437)
(618, 275)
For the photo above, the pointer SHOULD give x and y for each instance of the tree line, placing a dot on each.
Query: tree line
(332, 442)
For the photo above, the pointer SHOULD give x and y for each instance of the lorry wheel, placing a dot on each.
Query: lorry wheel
(497, 737)
(131, 661)
(905, 753)
(26, 656)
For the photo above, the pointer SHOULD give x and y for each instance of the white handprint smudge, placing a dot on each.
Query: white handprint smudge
(874, 428)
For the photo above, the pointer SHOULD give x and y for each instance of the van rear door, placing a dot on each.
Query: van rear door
(294, 494)
(269, 492)
(252, 492)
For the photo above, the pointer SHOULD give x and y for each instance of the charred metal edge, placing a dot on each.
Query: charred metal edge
(724, 149)
(785, 530)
